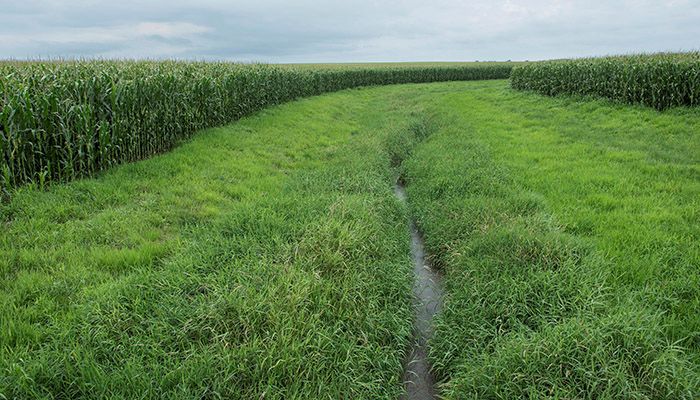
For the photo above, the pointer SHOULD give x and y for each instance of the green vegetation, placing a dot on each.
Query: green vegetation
(64, 120)
(401, 65)
(657, 80)
(569, 234)
(269, 259)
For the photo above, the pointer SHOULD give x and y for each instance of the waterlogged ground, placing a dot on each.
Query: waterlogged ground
(270, 258)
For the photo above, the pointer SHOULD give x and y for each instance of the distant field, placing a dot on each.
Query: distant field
(429, 64)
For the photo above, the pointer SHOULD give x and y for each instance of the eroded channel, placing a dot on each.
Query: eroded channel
(427, 290)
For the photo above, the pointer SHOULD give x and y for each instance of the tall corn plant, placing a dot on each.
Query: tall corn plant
(657, 80)
(66, 120)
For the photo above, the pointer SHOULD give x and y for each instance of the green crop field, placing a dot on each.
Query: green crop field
(270, 258)
(658, 80)
(398, 65)
(65, 120)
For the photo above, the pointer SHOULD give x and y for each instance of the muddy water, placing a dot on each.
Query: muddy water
(427, 290)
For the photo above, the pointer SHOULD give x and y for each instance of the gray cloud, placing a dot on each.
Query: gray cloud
(311, 31)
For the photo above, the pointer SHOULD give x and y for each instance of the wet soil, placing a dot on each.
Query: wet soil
(427, 290)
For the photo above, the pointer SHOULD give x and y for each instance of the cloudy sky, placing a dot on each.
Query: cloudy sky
(336, 31)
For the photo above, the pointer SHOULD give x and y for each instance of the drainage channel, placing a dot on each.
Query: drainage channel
(427, 290)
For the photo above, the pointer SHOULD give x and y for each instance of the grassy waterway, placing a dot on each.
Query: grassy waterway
(270, 258)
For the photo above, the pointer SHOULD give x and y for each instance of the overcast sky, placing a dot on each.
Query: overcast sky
(335, 31)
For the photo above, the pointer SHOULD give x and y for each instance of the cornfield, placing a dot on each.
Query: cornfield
(661, 80)
(64, 120)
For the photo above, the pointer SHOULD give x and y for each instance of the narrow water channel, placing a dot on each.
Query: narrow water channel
(427, 291)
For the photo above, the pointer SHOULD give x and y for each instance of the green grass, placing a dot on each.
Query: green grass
(267, 259)
(569, 233)
(270, 259)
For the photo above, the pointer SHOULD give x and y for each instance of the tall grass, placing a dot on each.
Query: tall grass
(568, 251)
(63, 120)
(267, 259)
(661, 80)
